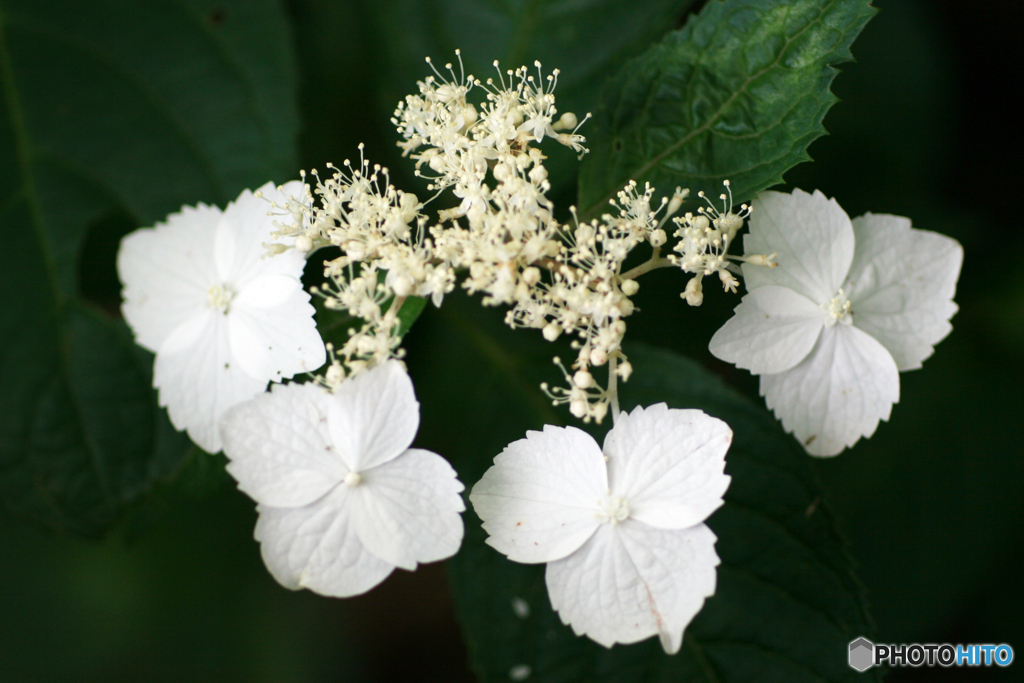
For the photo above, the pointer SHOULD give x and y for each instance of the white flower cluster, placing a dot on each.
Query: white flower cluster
(621, 528)
(851, 305)
(502, 238)
(343, 499)
(222, 321)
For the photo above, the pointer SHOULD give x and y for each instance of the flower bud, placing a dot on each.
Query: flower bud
(583, 379)
(355, 250)
(694, 293)
(578, 407)
(624, 370)
(402, 286)
(630, 287)
(273, 249)
(567, 122)
(658, 238)
(677, 200)
(335, 374)
(304, 244)
(729, 224)
(551, 332)
(762, 260)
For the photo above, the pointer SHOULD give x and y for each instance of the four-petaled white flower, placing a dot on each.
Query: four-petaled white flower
(222, 320)
(342, 499)
(850, 305)
(622, 531)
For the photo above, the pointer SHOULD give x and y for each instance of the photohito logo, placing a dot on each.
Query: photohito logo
(864, 654)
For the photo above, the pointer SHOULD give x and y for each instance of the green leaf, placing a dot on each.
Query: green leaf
(738, 93)
(110, 119)
(585, 39)
(787, 603)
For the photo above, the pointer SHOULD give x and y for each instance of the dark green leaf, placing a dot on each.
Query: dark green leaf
(410, 313)
(110, 118)
(738, 93)
(787, 603)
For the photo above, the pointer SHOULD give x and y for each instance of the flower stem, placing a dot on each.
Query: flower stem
(652, 264)
(613, 389)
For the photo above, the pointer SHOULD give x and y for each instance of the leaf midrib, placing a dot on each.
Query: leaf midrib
(595, 208)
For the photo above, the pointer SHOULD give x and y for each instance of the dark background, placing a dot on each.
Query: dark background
(932, 504)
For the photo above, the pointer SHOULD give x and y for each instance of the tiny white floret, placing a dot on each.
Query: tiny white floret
(850, 305)
(621, 528)
(342, 499)
(222, 320)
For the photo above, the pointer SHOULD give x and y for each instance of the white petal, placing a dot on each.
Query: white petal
(668, 464)
(279, 446)
(315, 547)
(268, 291)
(539, 501)
(773, 329)
(198, 378)
(838, 394)
(374, 416)
(902, 282)
(167, 271)
(812, 236)
(406, 511)
(280, 342)
(247, 223)
(632, 581)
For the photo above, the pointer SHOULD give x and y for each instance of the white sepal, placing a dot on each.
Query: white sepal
(838, 393)
(315, 547)
(773, 329)
(812, 237)
(166, 273)
(374, 417)
(199, 379)
(668, 464)
(406, 511)
(902, 283)
(632, 581)
(539, 501)
(280, 449)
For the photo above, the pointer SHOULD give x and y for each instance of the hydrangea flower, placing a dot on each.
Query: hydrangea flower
(628, 555)
(342, 499)
(222, 320)
(850, 305)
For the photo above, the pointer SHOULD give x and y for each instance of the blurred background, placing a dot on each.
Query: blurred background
(932, 505)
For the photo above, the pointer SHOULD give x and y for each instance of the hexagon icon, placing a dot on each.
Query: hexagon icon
(862, 654)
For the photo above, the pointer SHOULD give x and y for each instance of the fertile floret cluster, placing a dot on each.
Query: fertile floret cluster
(501, 237)
(704, 244)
